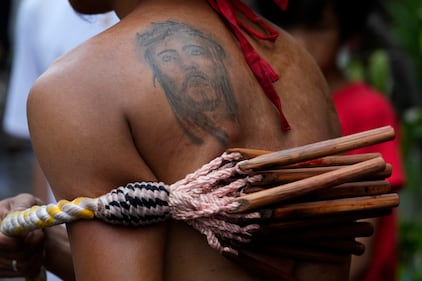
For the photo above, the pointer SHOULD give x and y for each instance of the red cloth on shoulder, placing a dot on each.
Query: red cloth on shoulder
(361, 108)
(262, 70)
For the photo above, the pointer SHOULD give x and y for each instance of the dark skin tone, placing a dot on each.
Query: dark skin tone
(113, 124)
(191, 71)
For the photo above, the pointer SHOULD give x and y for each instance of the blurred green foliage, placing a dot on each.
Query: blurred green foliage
(377, 70)
(407, 27)
(410, 208)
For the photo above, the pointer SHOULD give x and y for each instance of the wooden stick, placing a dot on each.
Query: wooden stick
(271, 177)
(305, 223)
(248, 153)
(341, 231)
(305, 186)
(338, 246)
(353, 189)
(319, 149)
(334, 246)
(336, 207)
(345, 190)
(335, 160)
(331, 160)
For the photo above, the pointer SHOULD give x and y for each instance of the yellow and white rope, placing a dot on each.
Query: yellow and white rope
(20, 222)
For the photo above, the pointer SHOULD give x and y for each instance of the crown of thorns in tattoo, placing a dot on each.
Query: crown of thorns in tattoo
(237, 194)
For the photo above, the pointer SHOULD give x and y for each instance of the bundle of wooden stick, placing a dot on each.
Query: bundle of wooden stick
(313, 199)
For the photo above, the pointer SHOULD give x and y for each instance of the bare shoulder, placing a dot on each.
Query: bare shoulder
(304, 94)
(304, 91)
(77, 122)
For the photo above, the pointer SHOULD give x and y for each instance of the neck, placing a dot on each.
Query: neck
(123, 7)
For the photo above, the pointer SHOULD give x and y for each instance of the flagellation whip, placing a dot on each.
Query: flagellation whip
(244, 195)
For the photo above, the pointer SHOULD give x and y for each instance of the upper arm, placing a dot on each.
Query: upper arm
(84, 145)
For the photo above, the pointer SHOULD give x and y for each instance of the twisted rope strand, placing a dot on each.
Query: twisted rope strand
(64, 211)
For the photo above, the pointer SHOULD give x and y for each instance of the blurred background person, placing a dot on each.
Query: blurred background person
(5, 13)
(44, 30)
(326, 28)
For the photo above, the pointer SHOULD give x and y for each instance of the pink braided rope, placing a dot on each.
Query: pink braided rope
(216, 230)
(204, 200)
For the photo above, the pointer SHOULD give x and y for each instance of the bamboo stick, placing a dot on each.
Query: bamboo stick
(248, 153)
(305, 186)
(336, 207)
(350, 247)
(271, 177)
(345, 190)
(353, 189)
(331, 160)
(305, 223)
(340, 231)
(334, 246)
(335, 160)
(319, 149)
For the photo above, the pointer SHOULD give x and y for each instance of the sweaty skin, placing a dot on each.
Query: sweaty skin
(152, 99)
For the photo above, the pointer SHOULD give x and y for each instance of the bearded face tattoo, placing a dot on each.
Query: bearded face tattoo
(188, 66)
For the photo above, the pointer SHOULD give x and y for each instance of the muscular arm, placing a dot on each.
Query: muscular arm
(85, 148)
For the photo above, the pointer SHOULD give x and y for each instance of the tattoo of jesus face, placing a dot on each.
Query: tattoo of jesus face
(189, 67)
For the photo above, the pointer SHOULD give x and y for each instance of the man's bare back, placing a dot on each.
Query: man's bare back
(152, 99)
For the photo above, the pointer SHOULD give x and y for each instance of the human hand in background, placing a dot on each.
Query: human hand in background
(21, 256)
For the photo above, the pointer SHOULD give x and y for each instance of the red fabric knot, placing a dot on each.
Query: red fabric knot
(262, 70)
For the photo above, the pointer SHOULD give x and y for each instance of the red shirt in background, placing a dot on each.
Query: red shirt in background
(361, 108)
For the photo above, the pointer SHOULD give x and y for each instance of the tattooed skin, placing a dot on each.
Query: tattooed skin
(189, 67)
